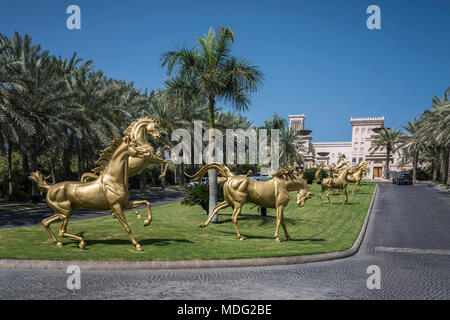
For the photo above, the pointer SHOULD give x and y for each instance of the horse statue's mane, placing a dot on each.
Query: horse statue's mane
(282, 173)
(106, 154)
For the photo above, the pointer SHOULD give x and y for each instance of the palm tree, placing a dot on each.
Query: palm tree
(209, 71)
(435, 132)
(413, 143)
(276, 123)
(227, 120)
(12, 124)
(389, 139)
(165, 108)
(50, 106)
(290, 147)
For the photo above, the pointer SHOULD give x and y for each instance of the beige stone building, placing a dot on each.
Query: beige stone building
(355, 150)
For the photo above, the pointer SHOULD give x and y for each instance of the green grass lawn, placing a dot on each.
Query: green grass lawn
(174, 233)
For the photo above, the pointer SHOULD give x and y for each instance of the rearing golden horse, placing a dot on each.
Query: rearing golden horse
(136, 164)
(109, 191)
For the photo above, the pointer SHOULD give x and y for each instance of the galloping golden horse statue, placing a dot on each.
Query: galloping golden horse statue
(108, 191)
(339, 183)
(240, 189)
(359, 171)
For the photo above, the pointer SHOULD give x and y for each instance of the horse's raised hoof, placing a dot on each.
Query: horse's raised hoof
(138, 216)
(146, 223)
(59, 244)
(82, 245)
(242, 238)
(139, 248)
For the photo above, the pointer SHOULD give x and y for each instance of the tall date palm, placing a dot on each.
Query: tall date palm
(389, 139)
(210, 71)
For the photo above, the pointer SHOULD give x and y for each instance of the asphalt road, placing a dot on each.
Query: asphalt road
(10, 219)
(408, 238)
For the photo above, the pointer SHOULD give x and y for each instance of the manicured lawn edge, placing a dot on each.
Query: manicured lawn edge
(190, 264)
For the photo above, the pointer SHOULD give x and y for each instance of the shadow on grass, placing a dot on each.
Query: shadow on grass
(263, 220)
(282, 237)
(339, 204)
(155, 242)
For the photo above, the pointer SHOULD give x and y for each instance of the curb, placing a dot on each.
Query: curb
(190, 264)
(438, 187)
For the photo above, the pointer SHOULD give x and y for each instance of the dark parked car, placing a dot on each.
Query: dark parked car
(261, 177)
(402, 178)
(193, 183)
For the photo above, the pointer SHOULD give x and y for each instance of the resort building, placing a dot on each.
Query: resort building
(355, 150)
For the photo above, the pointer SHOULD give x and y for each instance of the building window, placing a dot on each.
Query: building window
(354, 160)
(360, 159)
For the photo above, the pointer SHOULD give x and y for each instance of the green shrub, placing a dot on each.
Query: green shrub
(198, 194)
(309, 175)
(423, 174)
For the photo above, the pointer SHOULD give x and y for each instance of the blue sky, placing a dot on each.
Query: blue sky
(318, 57)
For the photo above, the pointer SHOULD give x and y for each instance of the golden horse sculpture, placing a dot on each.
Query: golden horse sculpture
(274, 193)
(109, 191)
(135, 164)
(339, 183)
(334, 170)
(319, 173)
(359, 171)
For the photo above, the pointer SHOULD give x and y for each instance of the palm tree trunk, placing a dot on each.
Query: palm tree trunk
(79, 161)
(212, 174)
(386, 166)
(175, 172)
(192, 168)
(35, 193)
(181, 174)
(444, 166)
(10, 184)
(415, 161)
(66, 158)
(437, 154)
(163, 180)
(25, 172)
(52, 169)
(143, 180)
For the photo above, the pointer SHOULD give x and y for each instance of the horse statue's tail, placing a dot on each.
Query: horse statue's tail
(88, 176)
(223, 170)
(39, 180)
